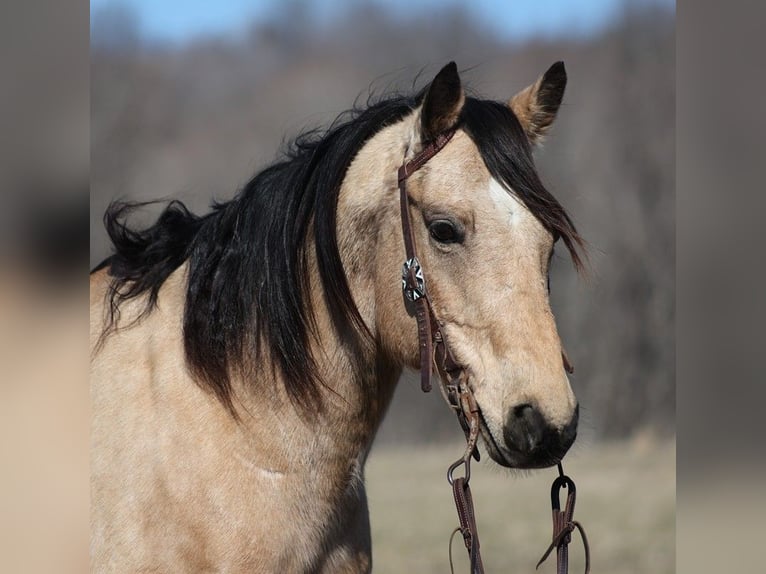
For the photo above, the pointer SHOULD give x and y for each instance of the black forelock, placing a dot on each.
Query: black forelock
(507, 154)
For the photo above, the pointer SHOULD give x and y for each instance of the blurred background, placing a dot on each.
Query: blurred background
(189, 99)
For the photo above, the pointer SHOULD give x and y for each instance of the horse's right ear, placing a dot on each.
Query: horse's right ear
(442, 103)
(536, 106)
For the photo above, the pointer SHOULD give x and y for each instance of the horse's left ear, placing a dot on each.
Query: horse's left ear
(442, 104)
(536, 106)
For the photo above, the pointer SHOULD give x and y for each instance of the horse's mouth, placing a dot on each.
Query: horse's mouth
(493, 449)
(510, 459)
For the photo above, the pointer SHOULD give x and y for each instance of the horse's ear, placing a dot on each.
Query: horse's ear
(443, 103)
(536, 106)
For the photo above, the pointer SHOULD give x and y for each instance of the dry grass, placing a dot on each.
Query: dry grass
(625, 500)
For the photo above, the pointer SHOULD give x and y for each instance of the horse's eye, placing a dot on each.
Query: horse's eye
(444, 231)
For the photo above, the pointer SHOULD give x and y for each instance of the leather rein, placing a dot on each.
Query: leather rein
(456, 391)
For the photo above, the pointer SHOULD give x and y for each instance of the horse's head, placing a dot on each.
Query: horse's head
(485, 228)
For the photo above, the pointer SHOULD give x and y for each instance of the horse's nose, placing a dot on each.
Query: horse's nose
(528, 434)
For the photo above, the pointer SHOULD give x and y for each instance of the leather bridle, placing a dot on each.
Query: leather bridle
(432, 343)
(454, 382)
(434, 349)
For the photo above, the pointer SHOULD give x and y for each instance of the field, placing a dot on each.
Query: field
(625, 500)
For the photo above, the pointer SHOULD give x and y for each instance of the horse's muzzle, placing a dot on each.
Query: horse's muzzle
(532, 442)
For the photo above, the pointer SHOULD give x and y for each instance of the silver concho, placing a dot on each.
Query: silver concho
(413, 292)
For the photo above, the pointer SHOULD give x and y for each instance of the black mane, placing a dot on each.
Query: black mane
(248, 269)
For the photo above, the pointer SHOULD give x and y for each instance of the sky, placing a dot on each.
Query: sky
(180, 20)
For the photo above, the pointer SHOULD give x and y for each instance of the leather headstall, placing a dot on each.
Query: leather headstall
(431, 341)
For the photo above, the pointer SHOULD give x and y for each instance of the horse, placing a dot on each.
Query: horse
(243, 360)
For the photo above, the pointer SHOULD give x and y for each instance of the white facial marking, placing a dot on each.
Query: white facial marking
(508, 202)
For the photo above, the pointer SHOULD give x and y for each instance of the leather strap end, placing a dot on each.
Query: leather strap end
(425, 377)
(425, 343)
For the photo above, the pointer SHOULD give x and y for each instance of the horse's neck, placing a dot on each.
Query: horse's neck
(362, 377)
(358, 379)
(329, 446)
(334, 439)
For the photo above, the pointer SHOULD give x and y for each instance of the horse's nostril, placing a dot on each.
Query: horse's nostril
(521, 410)
(525, 428)
(529, 436)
